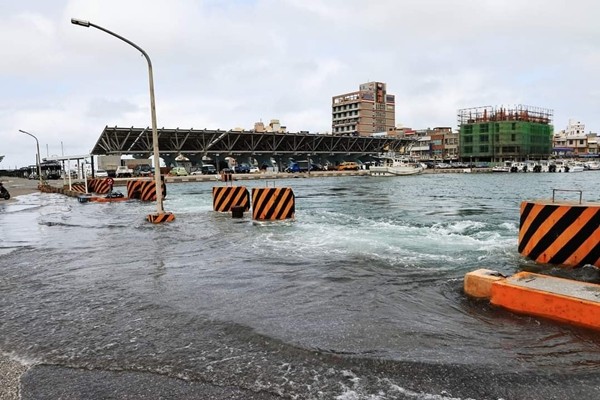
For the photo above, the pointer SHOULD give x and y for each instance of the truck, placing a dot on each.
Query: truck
(109, 164)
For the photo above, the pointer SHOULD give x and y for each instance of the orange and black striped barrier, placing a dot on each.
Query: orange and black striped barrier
(226, 176)
(144, 189)
(99, 185)
(78, 187)
(272, 204)
(560, 233)
(227, 197)
(161, 217)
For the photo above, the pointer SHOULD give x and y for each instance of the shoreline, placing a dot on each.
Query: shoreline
(22, 186)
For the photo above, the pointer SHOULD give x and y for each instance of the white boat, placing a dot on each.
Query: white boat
(503, 167)
(592, 165)
(575, 166)
(395, 166)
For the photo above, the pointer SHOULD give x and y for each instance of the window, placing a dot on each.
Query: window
(514, 126)
(468, 149)
(468, 129)
(468, 139)
(484, 149)
(484, 128)
(513, 137)
(484, 138)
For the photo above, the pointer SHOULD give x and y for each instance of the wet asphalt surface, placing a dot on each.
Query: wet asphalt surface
(44, 382)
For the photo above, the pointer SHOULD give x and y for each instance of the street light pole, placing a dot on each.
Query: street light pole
(39, 160)
(157, 182)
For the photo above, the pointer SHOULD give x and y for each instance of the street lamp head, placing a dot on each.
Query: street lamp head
(80, 22)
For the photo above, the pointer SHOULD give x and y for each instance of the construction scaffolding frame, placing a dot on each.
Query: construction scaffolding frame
(519, 112)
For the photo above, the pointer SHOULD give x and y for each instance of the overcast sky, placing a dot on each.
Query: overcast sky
(225, 64)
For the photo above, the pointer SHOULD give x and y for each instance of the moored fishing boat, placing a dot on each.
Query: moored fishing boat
(575, 166)
(502, 167)
(592, 165)
(395, 166)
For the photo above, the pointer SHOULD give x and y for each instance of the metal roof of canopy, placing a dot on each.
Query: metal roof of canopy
(138, 142)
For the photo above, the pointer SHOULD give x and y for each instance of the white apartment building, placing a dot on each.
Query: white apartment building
(572, 141)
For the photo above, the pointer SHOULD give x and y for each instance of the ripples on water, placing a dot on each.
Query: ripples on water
(360, 297)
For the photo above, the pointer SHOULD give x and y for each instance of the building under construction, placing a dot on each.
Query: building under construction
(496, 134)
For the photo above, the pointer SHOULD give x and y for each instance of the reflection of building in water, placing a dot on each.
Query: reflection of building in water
(368, 111)
(496, 134)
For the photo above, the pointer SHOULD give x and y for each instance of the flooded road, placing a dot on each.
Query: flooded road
(359, 298)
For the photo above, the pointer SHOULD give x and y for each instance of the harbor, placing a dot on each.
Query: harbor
(294, 200)
(359, 296)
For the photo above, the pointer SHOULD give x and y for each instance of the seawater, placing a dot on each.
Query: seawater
(359, 298)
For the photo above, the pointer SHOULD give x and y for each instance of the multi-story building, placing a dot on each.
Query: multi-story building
(497, 134)
(450, 151)
(444, 144)
(439, 143)
(365, 112)
(571, 141)
(593, 145)
(274, 126)
(421, 148)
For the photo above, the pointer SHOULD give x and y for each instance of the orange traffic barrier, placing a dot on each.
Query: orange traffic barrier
(97, 199)
(226, 176)
(225, 198)
(272, 204)
(478, 283)
(549, 297)
(99, 185)
(161, 217)
(560, 234)
(145, 189)
(78, 187)
(544, 296)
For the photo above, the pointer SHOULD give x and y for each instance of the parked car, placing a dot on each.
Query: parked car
(142, 170)
(206, 169)
(254, 169)
(123, 171)
(101, 173)
(241, 169)
(348, 166)
(293, 167)
(178, 171)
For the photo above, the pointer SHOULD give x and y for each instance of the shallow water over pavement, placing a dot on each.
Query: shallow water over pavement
(359, 298)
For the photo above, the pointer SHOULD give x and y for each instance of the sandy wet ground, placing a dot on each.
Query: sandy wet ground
(10, 374)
